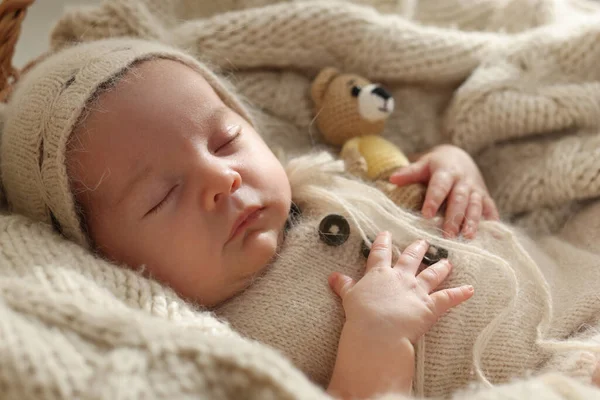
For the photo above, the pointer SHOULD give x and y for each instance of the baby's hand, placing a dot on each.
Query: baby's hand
(391, 301)
(387, 311)
(452, 176)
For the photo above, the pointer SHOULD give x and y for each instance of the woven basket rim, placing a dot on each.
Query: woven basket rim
(12, 14)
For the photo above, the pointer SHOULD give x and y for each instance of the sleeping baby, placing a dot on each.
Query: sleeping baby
(141, 154)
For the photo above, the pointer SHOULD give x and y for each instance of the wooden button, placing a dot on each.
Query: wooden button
(334, 230)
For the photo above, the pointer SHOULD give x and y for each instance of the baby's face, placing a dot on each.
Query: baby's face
(172, 179)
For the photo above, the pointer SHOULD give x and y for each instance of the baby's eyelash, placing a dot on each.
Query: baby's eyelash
(230, 140)
(163, 202)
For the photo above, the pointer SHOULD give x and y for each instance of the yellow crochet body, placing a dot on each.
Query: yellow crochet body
(381, 156)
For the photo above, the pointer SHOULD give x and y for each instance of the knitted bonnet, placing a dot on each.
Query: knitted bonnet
(43, 110)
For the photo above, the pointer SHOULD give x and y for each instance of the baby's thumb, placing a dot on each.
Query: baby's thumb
(412, 173)
(340, 284)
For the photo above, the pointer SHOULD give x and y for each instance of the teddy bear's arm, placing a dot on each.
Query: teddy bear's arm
(353, 159)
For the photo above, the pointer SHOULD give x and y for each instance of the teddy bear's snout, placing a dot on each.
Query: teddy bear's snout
(375, 103)
(381, 92)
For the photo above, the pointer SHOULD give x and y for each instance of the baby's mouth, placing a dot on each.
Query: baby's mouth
(244, 220)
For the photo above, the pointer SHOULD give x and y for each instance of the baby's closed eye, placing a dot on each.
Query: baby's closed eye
(232, 134)
(164, 200)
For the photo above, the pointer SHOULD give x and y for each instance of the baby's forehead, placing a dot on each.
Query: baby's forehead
(157, 96)
(160, 82)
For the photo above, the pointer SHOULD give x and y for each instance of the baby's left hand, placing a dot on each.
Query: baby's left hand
(451, 175)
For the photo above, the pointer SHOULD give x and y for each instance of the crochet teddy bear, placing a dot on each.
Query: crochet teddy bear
(350, 112)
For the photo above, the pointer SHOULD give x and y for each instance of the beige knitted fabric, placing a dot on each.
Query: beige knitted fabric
(75, 327)
(274, 50)
(513, 81)
(43, 111)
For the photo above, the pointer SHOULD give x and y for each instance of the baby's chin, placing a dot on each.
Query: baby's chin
(257, 253)
(260, 248)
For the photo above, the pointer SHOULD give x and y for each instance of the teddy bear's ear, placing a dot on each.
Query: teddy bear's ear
(321, 83)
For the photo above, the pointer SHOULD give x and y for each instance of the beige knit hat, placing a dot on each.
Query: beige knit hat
(43, 111)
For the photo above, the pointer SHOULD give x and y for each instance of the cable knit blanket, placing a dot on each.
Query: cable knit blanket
(515, 82)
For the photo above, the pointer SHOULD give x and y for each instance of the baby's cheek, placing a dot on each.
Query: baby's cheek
(277, 190)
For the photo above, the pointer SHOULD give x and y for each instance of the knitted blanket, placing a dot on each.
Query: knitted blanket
(513, 82)
(74, 326)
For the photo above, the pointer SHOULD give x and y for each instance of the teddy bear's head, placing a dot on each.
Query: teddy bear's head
(348, 105)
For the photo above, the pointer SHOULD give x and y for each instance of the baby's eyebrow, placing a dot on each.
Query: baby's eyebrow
(136, 179)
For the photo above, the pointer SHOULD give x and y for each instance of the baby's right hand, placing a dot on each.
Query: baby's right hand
(392, 301)
(387, 311)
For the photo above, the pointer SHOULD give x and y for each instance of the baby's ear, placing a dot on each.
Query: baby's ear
(321, 83)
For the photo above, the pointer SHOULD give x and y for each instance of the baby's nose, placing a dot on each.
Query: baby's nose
(222, 185)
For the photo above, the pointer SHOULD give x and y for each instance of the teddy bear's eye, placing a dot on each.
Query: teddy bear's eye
(355, 91)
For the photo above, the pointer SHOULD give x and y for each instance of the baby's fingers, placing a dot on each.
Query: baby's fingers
(412, 173)
(432, 277)
(448, 298)
(410, 259)
(457, 206)
(380, 254)
(440, 184)
(473, 216)
(490, 210)
(340, 284)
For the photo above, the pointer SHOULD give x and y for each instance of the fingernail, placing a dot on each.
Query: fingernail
(383, 237)
(387, 238)
(332, 278)
(428, 212)
(448, 231)
(470, 289)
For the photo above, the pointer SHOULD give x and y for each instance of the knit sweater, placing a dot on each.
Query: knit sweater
(102, 321)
